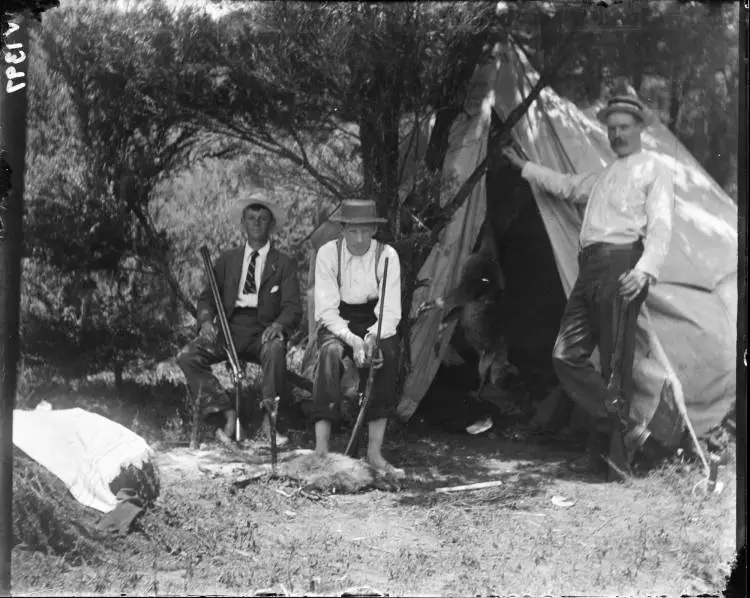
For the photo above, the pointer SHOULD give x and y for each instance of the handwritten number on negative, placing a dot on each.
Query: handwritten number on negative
(12, 58)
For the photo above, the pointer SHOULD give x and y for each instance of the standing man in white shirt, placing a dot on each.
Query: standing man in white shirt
(260, 292)
(624, 240)
(348, 281)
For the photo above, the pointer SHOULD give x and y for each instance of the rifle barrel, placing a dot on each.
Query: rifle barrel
(221, 314)
(231, 350)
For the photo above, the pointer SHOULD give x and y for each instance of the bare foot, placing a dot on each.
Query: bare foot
(222, 437)
(229, 425)
(380, 465)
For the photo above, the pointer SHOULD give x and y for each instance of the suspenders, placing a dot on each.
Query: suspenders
(378, 253)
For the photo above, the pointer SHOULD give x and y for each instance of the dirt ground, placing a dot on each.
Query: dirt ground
(658, 534)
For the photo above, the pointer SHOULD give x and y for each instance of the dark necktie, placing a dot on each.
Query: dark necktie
(250, 288)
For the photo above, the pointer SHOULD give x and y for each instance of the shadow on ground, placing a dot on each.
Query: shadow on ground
(435, 459)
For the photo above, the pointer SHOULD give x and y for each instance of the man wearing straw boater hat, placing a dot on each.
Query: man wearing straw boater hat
(348, 287)
(260, 292)
(624, 239)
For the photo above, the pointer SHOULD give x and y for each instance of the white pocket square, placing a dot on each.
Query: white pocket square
(274, 289)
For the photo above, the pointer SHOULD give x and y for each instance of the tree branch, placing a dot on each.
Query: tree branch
(153, 236)
(270, 144)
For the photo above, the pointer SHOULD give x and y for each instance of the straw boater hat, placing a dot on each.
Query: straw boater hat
(357, 211)
(627, 104)
(260, 199)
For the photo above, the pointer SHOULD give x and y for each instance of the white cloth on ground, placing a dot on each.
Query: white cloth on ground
(85, 450)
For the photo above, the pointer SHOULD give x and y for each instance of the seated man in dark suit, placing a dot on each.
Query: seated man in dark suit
(260, 292)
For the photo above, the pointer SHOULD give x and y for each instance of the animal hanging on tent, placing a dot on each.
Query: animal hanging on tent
(477, 303)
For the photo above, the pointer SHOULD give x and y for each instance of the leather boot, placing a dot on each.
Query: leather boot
(592, 461)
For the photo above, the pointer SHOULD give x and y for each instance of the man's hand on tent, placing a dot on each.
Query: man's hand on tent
(632, 283)
(513, 157)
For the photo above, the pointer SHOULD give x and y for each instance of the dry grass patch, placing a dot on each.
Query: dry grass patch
(653, 535)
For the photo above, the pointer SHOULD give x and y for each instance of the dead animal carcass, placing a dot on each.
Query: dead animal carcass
(477, 303)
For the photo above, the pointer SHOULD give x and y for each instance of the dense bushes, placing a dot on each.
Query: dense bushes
(140, 143)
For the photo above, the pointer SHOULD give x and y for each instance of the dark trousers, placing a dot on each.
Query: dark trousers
(330, 369)
(197, 358)
(590, 319)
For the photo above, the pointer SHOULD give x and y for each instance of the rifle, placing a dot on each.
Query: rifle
(365, 398)
(615, 403)
(237, 374)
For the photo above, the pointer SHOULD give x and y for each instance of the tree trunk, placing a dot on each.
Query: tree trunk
(641, 52)
(593, 79)
(174, 311)
(83, 317)
(388, 199)
(379, 139)
(119, 367)
(370, 146)
(718, 163)
(675, 99)
(637, 78)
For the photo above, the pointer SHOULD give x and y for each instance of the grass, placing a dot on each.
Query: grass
(658, 534)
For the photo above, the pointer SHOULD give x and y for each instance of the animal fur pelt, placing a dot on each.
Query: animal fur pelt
(334, 474)
(477, 303)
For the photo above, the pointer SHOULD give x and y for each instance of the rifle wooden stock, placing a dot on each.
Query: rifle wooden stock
(229, 346)
(371, 374)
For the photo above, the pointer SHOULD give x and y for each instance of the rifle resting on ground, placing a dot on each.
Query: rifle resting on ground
(231, 350)
(365, 398)
(617, 405)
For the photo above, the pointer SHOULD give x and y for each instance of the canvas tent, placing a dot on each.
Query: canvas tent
(687, 331)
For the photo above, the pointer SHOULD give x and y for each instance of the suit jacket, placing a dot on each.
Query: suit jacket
(278, 294)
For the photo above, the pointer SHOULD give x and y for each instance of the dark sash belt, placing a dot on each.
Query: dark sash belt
(603, 249)
(360, 316)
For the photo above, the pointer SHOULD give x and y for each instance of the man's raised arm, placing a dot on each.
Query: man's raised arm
(572, 187)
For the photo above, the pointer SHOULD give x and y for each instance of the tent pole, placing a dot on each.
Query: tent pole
(498, 140)
(13, 103)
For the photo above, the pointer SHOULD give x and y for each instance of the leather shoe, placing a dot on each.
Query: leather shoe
(592, 461)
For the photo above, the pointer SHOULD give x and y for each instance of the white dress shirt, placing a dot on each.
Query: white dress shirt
(358, 285)
(251, 299)
(631, 198)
